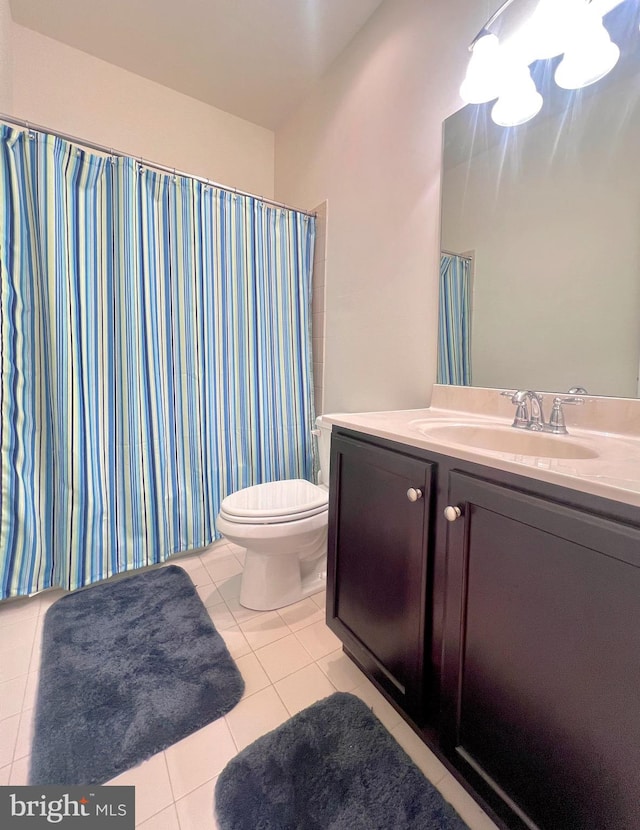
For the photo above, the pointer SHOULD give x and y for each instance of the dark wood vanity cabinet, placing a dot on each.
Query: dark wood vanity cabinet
(541, 671)
(510, 637)
(376, 586)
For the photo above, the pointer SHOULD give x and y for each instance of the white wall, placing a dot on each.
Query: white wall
(369, 141)
(6, 66)
(65, 89)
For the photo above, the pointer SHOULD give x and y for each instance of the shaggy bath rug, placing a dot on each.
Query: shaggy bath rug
(334, 766)
(128, 668)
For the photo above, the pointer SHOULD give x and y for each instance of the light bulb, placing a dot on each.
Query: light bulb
(484, 76)
(589, 57)
(519, 102)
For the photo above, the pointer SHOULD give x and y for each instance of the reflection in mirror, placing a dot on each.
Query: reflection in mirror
(547, 218)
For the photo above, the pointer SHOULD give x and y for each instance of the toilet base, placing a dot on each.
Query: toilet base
(316, 581)
(272, 582)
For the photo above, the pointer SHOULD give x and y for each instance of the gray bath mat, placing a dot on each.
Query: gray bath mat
(128, 668)
(334, 766)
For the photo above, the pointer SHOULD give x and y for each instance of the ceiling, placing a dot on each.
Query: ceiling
(253, 58)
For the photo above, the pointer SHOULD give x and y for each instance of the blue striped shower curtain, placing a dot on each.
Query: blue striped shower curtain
(454, 323)
(155, 356)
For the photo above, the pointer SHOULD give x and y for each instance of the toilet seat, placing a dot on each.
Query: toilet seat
(275, 502)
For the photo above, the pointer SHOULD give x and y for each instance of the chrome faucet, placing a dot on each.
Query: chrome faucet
(534, 415)
(530, 414)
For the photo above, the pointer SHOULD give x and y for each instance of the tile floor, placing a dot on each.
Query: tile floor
(288, 658)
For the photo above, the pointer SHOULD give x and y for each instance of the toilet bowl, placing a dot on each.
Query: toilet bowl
(283, 526)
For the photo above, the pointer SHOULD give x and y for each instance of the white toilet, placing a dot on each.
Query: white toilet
(283, 526)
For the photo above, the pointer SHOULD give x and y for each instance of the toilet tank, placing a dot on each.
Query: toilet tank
(323, 434)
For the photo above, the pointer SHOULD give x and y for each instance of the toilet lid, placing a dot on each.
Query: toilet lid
(275, 501)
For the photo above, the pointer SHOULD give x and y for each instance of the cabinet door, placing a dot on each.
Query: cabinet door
(542, 658)
(378, 563)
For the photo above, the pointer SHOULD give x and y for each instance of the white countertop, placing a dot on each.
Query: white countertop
(613, 474)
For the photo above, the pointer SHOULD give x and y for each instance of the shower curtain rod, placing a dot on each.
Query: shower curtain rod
(20, 122)
(452, 253)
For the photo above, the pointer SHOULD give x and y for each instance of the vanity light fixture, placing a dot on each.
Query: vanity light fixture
(499, 69)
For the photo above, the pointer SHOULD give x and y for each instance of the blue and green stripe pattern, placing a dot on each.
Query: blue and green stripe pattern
(454, 323)
(155, 356)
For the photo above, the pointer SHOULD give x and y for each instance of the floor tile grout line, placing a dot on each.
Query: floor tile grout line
(21, 625)
(292, 714)
(277, 639)
(228, 725)
(177, 815)
(273, 642)
(22, 709)
(173, 795)
(289, 674)
(187, 794)
(38, 632)
(253, 694)
(280, 698)
(295, 633)
(28, 759)
(15, 740)
(11, 680)
(30, 714)
(291, 631)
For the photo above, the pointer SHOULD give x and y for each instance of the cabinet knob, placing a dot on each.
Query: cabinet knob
(414, 494)
(451, 513)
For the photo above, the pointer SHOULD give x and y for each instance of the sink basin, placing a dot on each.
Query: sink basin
(506, 439)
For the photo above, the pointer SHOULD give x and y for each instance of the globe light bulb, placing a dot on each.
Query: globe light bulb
(589, 56)
(519, 101)
(484, 73)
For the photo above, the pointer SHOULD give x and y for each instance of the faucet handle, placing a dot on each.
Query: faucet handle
(556, 419)
(572, 400)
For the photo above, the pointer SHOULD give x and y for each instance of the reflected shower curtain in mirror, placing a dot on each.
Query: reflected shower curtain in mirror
(454, 321)
(155, 357)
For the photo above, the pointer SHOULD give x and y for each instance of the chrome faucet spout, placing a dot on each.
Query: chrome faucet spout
(529, 414)
(536, 417)
(521, 418)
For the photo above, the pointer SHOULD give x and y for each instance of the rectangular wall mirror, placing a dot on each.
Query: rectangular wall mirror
(547, 215)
